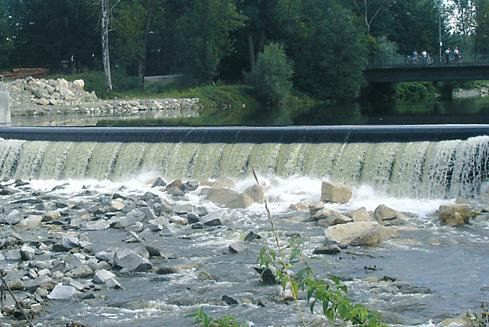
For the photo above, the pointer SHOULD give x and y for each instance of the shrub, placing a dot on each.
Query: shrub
(271, 77)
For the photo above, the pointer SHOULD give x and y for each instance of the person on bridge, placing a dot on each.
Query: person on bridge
(447, 55)
(456, 55)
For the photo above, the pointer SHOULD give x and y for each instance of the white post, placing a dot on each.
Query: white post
(4, 106)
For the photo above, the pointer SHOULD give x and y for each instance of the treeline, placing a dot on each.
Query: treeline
(318, 47)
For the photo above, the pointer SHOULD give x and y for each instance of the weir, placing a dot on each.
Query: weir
(409, 166)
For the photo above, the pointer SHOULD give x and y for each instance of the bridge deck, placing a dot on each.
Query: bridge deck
(413, 73)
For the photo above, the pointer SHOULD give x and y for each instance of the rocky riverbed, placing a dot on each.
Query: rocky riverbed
(148, 252)
(59, 97)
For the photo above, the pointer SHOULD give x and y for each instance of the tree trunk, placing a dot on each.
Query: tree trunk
(142, 59)
(105, 6)
(251, 53)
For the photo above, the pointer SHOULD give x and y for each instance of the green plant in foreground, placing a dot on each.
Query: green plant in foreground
(201, 317)
(331, 294)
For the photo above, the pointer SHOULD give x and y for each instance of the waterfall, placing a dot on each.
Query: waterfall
(421, 169)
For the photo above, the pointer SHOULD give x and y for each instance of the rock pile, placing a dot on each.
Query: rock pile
(52, 97)
(30, 91)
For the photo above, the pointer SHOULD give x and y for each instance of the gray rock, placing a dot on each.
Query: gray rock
(189, 186)
(130, 260)
(183, 208)
(61, 292)
(100, 224)
(13, 255)
(229, 300)
(198, 225)
(27, 253)
(327, 249)
(13, 217)
(237, 248)
(102, 276)
(251, 236)
(192, 218)
(154, 251)
(70, 242)
(159, 182)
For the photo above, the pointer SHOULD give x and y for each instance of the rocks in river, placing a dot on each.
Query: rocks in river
(267, 275)
(62, 292)
(117, 205)
(229, 300)
(12, 218)
(361, 215)
(330, 249)
(251, 236)
(223, 182)
(159, 182)
(299, 206)
(336, 193)
(314, 207)
(193, 218)
(359, 234)
(229, 198)
(100, 224)
(455, 214)
(52, 215)
(27, 253)
(388, 216)
(131, 261)
(237, 248)
(183, 208)
(256, 193)
(31, 222)
(331, 218)
(102, 276)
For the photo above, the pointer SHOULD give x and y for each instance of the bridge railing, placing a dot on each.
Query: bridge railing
(400, 60)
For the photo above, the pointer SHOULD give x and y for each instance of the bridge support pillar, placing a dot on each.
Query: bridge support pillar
(5, 117)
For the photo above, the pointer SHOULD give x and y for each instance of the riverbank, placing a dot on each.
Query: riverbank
(135, 253)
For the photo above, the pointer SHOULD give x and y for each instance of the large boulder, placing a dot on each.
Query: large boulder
(31, 222)
(336, 193)
(333, 218)
(455, 214)
(359, 234)
(229, 198)
(388, 216)
(256, 193)
(361, 214)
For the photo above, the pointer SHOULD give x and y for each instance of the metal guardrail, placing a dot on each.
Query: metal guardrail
(405, 61)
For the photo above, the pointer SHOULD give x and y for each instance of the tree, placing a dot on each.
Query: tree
(133, 21)
(482, 26)
(205, 36)
(328, 48)
(271, 78)
(369, 10)
(106, 11)
(6, 38)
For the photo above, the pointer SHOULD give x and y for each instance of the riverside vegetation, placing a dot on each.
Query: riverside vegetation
(326, 44)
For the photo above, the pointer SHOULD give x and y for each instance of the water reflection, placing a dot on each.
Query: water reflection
(456, 111)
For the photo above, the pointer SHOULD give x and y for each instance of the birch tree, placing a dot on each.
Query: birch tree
(369, 10)
(105, 7)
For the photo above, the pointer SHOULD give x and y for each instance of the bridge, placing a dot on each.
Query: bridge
(393, 70)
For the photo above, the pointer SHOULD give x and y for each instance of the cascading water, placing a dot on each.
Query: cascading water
(417, 169)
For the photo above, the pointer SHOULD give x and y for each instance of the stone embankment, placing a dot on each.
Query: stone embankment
(52, 97)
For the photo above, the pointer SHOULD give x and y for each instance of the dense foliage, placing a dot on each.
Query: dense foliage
(271, 77)
(328, 42)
